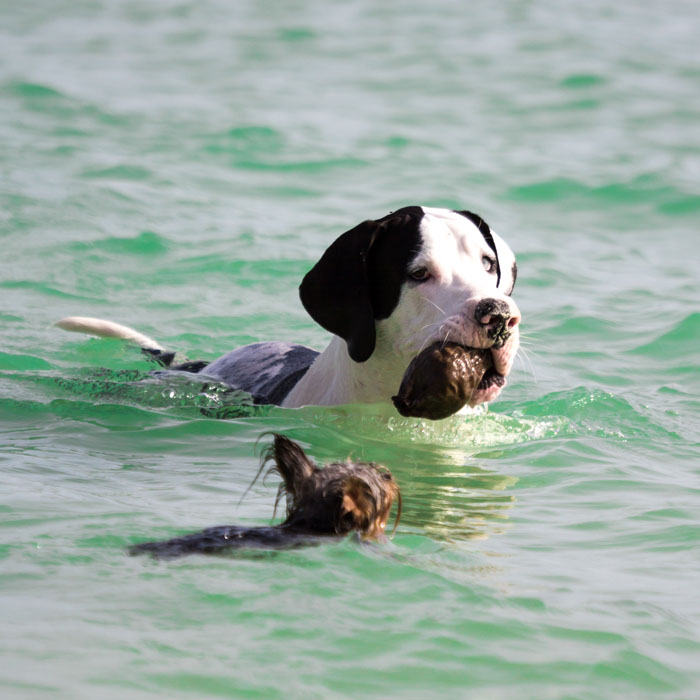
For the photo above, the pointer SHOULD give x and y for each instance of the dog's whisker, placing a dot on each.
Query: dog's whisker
(436, 323)
(447, 334)
(444, 340)
(430, 301)
(460, 339)
(523, 357)
(529, 351)
(440, 325)
(428, 337)
(530, 339)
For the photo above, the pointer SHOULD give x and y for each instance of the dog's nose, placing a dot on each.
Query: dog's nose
(497, 317)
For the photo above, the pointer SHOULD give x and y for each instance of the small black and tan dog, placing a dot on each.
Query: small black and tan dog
(333, 501)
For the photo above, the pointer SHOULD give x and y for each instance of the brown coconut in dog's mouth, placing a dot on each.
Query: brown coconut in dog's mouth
(441, 380)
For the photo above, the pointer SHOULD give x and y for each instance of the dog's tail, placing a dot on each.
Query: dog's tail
(109, 329)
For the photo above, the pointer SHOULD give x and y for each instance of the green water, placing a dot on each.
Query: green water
(178, 167)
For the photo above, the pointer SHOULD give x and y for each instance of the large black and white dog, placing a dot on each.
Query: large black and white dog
(386, 289)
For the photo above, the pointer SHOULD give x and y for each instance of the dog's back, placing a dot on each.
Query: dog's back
(227, 538)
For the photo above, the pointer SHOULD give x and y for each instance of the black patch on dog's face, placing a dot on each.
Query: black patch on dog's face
(358, 279)
(485, 231)
(514, 274)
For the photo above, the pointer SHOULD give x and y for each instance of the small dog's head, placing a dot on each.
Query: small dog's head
(340, 498)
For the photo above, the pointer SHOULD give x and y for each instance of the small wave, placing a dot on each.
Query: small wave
(248, 273)
(263, 148)
(296, 34)
(581, 325)
(320, 165)
(145, 243)
(573, 413)
(578, 81)
(245, 140)
(640, 191)
(124, 171)
(138, 389)
(681, 206)
(548, 190)
(289, 191)
(468, 433)
(42, 288)
(45, 98)
(32, 90)
(682, 341)
(587, 411)
(22, 362)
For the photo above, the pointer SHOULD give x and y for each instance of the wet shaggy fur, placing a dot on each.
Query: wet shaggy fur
(324, 502)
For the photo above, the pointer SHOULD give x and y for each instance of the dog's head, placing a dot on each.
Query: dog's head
(419, 275)
(340, 498)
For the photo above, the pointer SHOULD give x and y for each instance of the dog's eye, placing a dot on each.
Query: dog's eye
(420, 274)
(489, 263)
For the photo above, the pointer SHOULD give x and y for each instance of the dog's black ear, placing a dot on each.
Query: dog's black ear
(358, 279)
(336, 291)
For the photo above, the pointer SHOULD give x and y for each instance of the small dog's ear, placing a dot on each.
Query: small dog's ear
(291, 462)
(336, 291)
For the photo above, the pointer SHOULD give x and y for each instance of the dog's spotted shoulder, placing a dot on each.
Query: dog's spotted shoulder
(268, 371)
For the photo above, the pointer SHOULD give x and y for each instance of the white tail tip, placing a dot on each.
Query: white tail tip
(107, 329)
